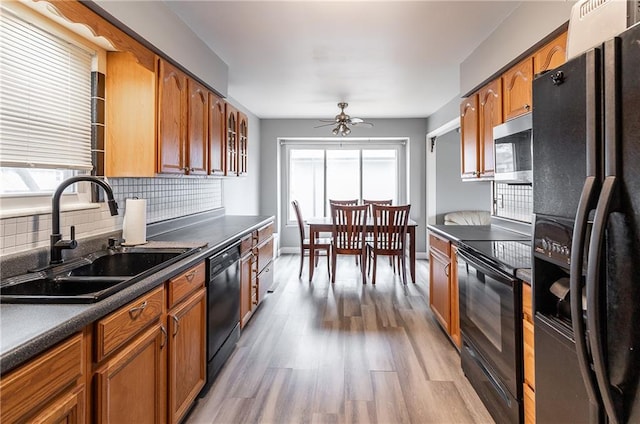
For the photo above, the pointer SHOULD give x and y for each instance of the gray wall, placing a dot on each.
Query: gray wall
(452, 194)
(158, 25)
(412, 129)
(528, 24)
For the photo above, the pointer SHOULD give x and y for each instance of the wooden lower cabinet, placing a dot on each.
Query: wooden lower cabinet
(443, 286)
(187, 354)
(49, 388)
(130, 386)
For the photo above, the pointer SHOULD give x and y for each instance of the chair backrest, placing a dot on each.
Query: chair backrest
(343, 202)
(390, 226)
(296, 208)
(349, 226)
(376, 202)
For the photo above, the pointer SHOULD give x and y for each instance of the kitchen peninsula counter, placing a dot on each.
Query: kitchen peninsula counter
(29, 329)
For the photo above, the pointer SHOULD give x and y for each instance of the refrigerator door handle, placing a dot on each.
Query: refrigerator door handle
(594, 308)
(575, 289)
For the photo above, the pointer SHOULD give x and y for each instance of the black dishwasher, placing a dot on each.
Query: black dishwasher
(223, 309)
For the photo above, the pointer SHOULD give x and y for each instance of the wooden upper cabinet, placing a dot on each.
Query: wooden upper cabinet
(551, 55)
(517, 89)
(172, 109)
(231, 144)
(243, 147)
(197, 130)
(469, 136)
(217, 135)
(490, 115)
(130, 125)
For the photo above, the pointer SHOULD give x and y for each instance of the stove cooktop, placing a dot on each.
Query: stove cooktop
(507, 255)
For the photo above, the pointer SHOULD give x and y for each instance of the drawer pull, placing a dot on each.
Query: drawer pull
(134, 313)
(446, 269)
(164, 338)
(176, 323)
(190, 275)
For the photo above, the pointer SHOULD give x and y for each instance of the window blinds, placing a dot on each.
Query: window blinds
(45, 98)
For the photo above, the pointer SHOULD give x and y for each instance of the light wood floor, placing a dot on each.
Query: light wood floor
(347, 353)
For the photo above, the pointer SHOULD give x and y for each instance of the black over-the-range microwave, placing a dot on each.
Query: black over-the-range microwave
(513, 150)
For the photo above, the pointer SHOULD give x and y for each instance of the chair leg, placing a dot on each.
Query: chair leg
(375, 267)
(301, 263)
(363, 266)
(333, 266)
(328, 259)
(404, 269)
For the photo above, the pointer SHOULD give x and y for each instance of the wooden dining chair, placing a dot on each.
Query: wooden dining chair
(376, 202)
(320, 244)
(389, 235)
(344, 202)
(349, 231)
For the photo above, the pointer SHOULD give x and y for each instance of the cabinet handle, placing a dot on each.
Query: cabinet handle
(176, 323)
(189, 276)
(255, 302)
(134, 313)
(446, 269)
(527, 107)
(164, 338)
(185, 169)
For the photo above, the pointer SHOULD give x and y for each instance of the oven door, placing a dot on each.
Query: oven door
(489, 300)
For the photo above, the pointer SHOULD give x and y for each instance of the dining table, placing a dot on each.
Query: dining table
(319, 225)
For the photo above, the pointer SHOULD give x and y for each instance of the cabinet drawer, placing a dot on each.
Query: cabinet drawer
(265, 280)
(527, 304)
(30, 387)
(529, 354)
(120, 326)
(246, 244)
(265, 232)
(440, 244)
(265, 254)
(529, 405)
(180, 287)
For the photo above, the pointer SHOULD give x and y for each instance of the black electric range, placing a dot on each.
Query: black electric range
(508, 256)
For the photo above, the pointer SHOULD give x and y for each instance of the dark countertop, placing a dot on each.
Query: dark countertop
(458, 233)
(29, 329)
(462, 233)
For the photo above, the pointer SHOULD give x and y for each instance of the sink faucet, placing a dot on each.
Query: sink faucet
(57, 243)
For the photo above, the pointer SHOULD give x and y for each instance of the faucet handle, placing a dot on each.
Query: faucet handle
(72, 242)
(114, 242)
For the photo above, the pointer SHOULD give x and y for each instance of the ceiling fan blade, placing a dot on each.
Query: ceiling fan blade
(327, 120)
(362, 123)
(325, 125)
(356, 121)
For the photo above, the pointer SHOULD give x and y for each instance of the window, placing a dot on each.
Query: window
(45, 112)
(318, 172)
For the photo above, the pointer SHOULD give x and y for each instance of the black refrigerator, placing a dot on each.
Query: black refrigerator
(586, 250)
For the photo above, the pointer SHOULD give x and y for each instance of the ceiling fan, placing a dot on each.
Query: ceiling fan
(342, 121)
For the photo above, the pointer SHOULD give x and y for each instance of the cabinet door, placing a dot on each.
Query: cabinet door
(187, 354)
(246, 279)
(243, 148)
(517, 89)
(197, 129)
(172, 109)
(130, 127)
(265, 280)
(551, 55)
(469, 136)
(130, 387)
(217, 135)
(490, 99)
(439, 288)
(231, 146)
(68, 409)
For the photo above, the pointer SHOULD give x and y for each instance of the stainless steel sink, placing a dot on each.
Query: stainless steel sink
(91, 278)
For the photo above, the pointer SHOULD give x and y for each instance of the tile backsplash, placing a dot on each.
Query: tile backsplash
(166, 198)
(513, 201)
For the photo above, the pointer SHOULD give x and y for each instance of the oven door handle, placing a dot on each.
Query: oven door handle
(480, 265)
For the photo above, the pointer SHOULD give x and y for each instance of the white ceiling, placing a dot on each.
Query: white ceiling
(387, 59)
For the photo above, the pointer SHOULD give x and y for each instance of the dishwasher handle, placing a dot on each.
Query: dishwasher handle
(219, 262)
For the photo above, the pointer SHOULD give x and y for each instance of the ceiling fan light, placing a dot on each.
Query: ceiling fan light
(335, 131)
(346, 130)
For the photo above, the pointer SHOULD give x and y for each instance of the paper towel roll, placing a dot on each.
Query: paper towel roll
(134, 226)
